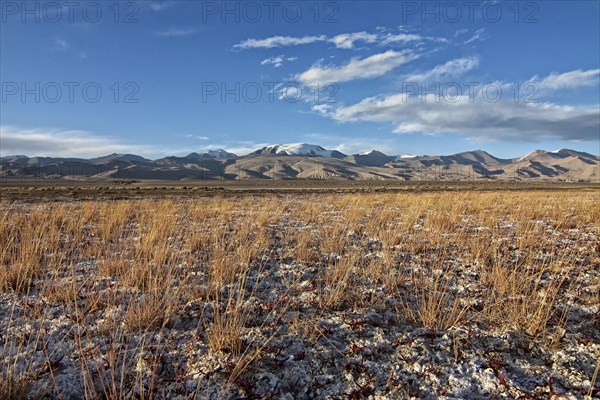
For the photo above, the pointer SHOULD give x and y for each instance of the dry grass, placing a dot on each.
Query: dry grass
(433, 305)
(14, 390)
(153, 261)
(151, 310)
(229, 319)
(338, 280)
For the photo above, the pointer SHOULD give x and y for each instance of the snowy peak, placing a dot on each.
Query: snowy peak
(374, 153)
(297, 149)
(219, 153)
(531, 155)
(546, 157)
(562, 153)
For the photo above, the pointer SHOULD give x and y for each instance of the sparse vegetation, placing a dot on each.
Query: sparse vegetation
(314, 295)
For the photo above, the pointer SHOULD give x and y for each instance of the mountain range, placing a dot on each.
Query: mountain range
(307, 161)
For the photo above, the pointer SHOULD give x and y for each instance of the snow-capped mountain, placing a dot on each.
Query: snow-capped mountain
(299, 149)
(562, 153)
(531, 154)
(219, 153)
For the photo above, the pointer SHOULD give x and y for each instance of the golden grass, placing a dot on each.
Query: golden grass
(151, 310)
(433, 306)
(157, 256)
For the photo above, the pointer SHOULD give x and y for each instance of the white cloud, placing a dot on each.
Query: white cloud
(470, 114)
(277, 61)
(346, 40)
(370, 67)
(477, 36)
(322, 108)
(474, 117)
(177, 32)
(402, 38)
(290, 92)
(278, 41)
(63, 143)
(450, 69)
(569, 80)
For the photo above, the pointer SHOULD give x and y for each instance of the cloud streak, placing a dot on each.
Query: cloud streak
(346, 40)
(569, 80)
(478, 36)
(450, 69)
(277, 61)
(341, 41)
(278, 41)
(402, 38)
(366, 68)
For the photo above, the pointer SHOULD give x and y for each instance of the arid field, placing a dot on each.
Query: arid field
(302, 296)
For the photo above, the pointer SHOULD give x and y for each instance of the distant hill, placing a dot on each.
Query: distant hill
(308, 161)
(220, 153)
(118, 157)
(373, 158)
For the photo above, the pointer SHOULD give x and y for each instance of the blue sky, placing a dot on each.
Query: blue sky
(157, 77)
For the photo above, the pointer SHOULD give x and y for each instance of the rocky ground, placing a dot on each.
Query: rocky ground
(73, 333)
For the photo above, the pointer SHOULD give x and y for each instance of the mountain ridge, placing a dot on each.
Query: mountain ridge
(306, 161)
